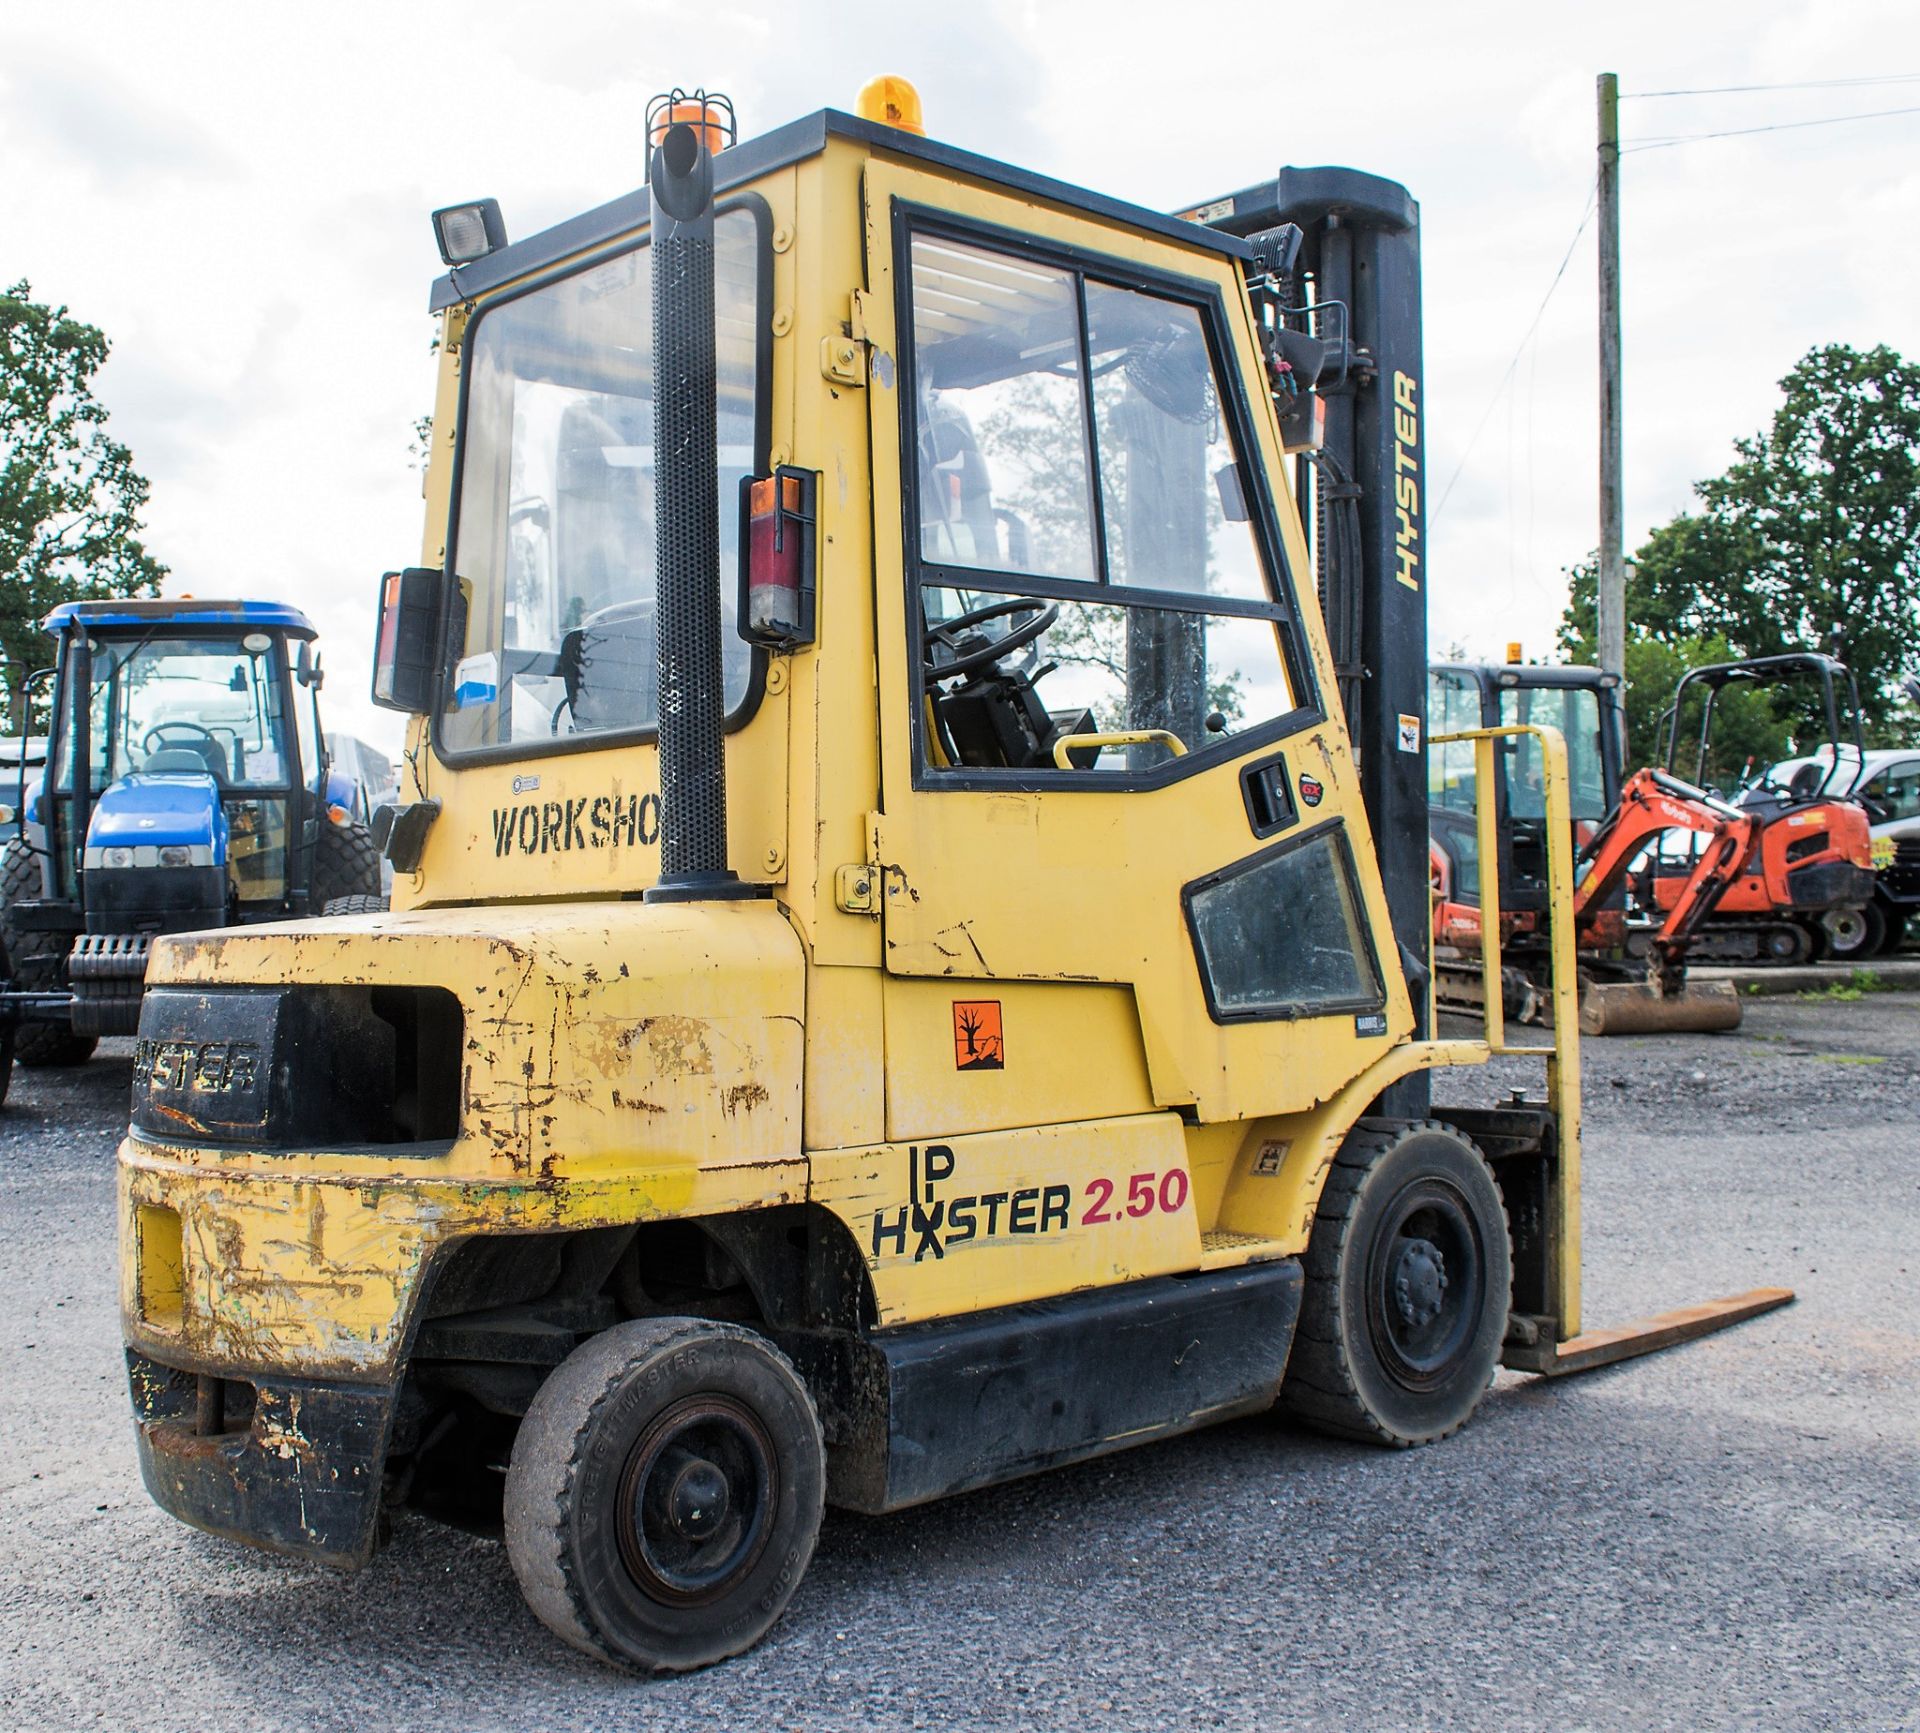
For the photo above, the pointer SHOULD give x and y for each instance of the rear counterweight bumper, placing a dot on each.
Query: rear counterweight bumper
(1830, 885)
(298, 1471)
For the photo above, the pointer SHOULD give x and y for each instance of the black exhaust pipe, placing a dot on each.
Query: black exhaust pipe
(686, 520)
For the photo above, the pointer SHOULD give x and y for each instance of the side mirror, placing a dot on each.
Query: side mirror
(406, 659)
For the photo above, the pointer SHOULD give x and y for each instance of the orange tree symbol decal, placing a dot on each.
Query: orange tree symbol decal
(977, 1042)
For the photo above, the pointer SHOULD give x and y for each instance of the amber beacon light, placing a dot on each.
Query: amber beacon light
(891, 101)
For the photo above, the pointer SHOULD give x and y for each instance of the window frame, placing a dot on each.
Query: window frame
(452, 612)
(911, 220)
(1368, 954)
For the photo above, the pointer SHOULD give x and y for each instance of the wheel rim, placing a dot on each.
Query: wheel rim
(695, 1498)
(1846, 928)
(1426, 1285)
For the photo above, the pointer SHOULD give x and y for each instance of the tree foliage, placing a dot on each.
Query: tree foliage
(1809, 541)
(70, 498)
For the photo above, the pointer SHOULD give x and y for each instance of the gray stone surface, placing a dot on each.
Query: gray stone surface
(1724, 1536)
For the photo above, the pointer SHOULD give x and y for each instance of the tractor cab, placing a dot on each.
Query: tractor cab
(1582, 703)
(187, 786)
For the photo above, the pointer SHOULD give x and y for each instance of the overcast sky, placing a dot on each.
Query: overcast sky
(238, 196)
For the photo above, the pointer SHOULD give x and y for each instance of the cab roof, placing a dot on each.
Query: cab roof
(181, 611)
(754, 157)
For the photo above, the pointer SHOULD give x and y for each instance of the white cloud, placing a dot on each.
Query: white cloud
(238, 195)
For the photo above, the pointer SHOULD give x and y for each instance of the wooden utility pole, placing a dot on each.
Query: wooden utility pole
(1613, 574)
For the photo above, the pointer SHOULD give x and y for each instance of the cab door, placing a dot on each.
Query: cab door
(1081, 532)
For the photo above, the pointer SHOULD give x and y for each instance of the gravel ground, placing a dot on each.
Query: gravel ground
(1726, 1535)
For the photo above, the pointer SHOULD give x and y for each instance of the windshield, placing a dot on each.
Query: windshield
(207, 705)
(1575, 711)
(553, 550)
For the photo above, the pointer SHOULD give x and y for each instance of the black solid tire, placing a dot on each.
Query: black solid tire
(1343, 1377)
(41, 959)
(1896, 933)
(356, 905)
(1867, 938)
(346, 863)
(576, 1449)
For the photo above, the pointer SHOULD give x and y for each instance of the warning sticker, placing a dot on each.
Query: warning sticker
(977, 1042)
(1271, 1158)
(1409, 733)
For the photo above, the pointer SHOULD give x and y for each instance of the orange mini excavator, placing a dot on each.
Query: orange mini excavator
(1616, 823)
(1814, 850)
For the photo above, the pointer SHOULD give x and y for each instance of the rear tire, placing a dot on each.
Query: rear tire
(1854, 933)
(359, 905)
(346, 863)
(664, 1494)
(40, 960)
(1896, 933)
(1409, 1280)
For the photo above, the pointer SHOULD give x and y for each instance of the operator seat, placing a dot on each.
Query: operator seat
(200, 757)
(956, 490)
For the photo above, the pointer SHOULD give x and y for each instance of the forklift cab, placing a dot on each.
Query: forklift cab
(1583, 703)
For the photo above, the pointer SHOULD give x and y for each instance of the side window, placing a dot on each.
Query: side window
(1071, 434)
(1453, 707)
(1899, 791)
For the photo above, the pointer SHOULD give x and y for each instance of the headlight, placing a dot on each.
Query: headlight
(176, 854)
(116, 857)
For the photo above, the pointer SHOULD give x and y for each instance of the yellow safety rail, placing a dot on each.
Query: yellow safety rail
(1563, 1057)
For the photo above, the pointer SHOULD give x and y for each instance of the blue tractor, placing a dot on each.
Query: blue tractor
(186, 785)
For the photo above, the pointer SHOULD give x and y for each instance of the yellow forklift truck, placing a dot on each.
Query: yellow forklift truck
(904, 970)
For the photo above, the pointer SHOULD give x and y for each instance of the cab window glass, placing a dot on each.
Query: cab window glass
(1002, 454)
(554, 543)
(1113, 486)
(1453, 707)
(1167, 473)
(1898, 790)
(1576, 713)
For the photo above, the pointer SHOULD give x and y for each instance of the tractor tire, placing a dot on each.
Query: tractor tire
(1853, 934)
(356, 905)
(1896, 933)
(664, 1493)
(9, 1032)
(41, 962)
(346, 863)
(1409, 1278)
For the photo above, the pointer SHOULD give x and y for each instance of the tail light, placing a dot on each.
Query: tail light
(777, 557)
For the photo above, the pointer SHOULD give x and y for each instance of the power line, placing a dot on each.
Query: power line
(1667, 142)
(1586, 216)
(1802, 84)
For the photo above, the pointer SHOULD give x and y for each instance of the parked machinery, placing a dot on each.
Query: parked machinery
(186, 786)
(1813, 863)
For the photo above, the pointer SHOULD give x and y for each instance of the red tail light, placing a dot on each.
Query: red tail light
(777, 557)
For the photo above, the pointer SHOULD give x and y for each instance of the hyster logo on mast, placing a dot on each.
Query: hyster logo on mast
(1406, 480)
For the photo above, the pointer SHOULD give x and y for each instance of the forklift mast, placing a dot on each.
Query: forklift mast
(1343, 250)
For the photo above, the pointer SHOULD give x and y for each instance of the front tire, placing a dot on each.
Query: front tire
(1409, 1279)
(346, 863)
(664, 1493)
(41, 959)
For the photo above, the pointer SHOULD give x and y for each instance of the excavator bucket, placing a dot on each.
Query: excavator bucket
(1635, 1008)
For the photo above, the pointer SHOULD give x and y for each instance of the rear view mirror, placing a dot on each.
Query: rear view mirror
(406, 641)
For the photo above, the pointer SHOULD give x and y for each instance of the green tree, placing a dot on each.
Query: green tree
(1809, 541)
(70, 498)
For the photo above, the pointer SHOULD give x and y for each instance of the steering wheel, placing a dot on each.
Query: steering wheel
(159, 732)
(948, 634)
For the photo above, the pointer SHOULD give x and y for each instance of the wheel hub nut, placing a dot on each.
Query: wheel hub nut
(1419, 1282)
(697, 1501)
